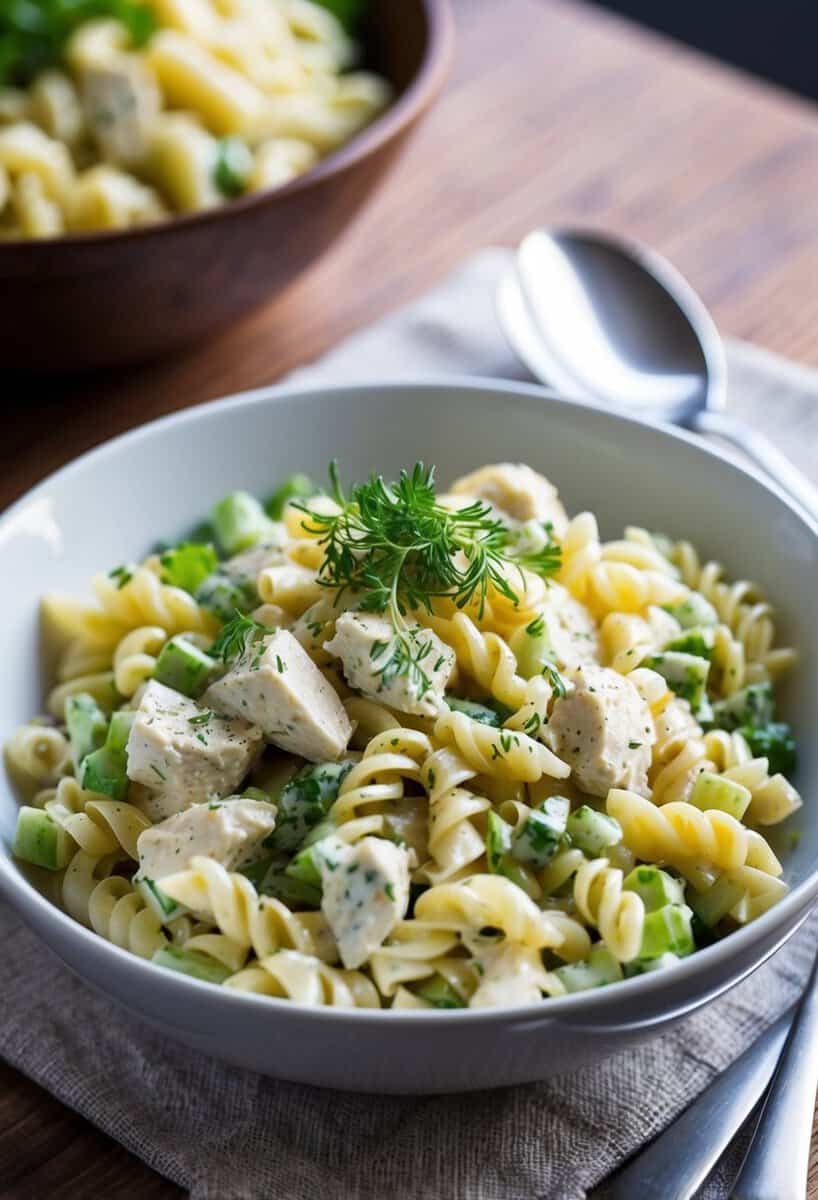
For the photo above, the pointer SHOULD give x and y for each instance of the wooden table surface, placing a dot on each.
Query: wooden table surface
(554, 113)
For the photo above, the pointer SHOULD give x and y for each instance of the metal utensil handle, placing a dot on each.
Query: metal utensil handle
(761, 450)
(680, 1159)
(778, 1158)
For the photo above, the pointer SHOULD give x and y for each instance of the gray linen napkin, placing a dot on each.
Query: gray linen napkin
(226, 1134)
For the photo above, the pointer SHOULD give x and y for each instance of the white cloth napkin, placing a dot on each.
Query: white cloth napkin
(226, 1134)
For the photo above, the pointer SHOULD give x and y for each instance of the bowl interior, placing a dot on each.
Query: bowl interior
(113, 504)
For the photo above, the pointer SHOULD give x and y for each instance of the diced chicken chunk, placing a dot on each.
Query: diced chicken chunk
(121, 100)
(604, 730)
(184, 753)
(368, 649)
(230, 831)
(516, 490)
(245, 567)
(277, 686)
(365, 894)
(510, 976)
(571, 629)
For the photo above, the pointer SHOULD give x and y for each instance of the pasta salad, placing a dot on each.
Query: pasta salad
(119, 113)
(390, 747)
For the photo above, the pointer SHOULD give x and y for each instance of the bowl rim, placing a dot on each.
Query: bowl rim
(21, 893)
(396, 117)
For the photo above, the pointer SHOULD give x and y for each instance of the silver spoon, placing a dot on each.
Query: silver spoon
(606, 320)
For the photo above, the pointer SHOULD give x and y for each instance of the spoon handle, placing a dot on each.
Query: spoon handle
(761, 450)
(680, 1159)
(777, 1161)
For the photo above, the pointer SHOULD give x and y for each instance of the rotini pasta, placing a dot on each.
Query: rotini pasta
(38, 752)
(393, 749)
(181, 108)
(618, 915)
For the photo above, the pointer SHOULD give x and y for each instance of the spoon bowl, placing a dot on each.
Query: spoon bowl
(608, 321)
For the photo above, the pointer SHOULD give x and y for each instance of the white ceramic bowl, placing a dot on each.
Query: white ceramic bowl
(113, 503)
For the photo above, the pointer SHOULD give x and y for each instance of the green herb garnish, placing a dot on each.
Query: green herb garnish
(398, 550)
(121, 576)
(237, 636)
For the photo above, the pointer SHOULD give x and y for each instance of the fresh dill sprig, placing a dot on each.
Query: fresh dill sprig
(398, 549)
(237, 636)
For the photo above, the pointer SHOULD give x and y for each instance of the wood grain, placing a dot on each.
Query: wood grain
(554, 113)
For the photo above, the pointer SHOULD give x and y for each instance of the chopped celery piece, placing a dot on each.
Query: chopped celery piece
(686, 675)
(39, 840)
(538, 838)
(477, 712)
(598, 969)
(234, 165)
(162, 906)
(498, 853)
(240, 522)
(181, 665)
(715, 792)
(439, 992)
(255, 793)
(224, 595)
(714, 904)
(533, 649)
(192, 962)
(591, 831)
(655, 887)
(667, 930)
(105, 771)
(294, 487)
(305, 801)
(188, 565)
(693, 611)
(306, 866)
(652, 964)
(119, 730)
(289, 891)
(775, 742)
(86, 724)
(699, 642)
(498, 842)
(753, 705)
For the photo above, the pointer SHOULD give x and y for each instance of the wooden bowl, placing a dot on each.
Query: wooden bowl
(102, 299)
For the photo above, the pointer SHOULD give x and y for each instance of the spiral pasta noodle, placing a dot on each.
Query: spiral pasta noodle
(98, 825)
(389, 758)
(490, 901)
(678, 833)
(134, 659)
(618, 915)
(247, 919)
(741, 606)
(39, 752)
(773, 796)
(455, 842)
(509, 754)
(292, 975)
(617, 577)
(414, 950)
(118, 913)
